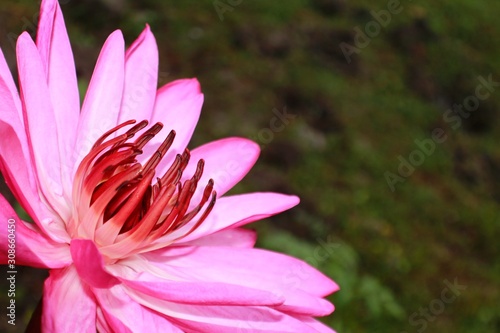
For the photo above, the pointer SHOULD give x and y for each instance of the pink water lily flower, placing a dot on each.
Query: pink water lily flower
(133, 227)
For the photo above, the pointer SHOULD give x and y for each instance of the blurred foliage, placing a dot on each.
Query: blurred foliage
(393, 249)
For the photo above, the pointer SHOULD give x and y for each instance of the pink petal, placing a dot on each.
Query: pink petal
(102, 324)
(57, 59)
(302, 303)
(302, 286)
(9, 93)
(227, 161)
(237, 210)
(141, 78)
(20, 180)
(316, 324)
(11, 117)
(224, 319)
(201, 293)
(102, 102)
(15, 159)
(237, 237)
(123, 314)
(90, 264)
(177, 106)
(68, 304)
(40, 124)
(27, 243)
(14, 149)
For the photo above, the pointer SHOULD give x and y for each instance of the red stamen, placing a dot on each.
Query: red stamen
(119, 195)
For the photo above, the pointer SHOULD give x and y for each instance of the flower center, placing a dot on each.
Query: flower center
(117, 204)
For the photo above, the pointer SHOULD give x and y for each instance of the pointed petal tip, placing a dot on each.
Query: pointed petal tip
(293, 199)
(329, 286)
(195, 84)
(23, 39)
(244, 145)
(145, 35)
(116, 34)
(183, 87)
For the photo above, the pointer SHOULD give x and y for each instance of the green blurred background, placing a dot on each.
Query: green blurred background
(391, 243)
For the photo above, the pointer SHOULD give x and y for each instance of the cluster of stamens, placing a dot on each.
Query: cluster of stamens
(116, 202)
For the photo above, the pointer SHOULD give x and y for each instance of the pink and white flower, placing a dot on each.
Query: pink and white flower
(133, 227)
